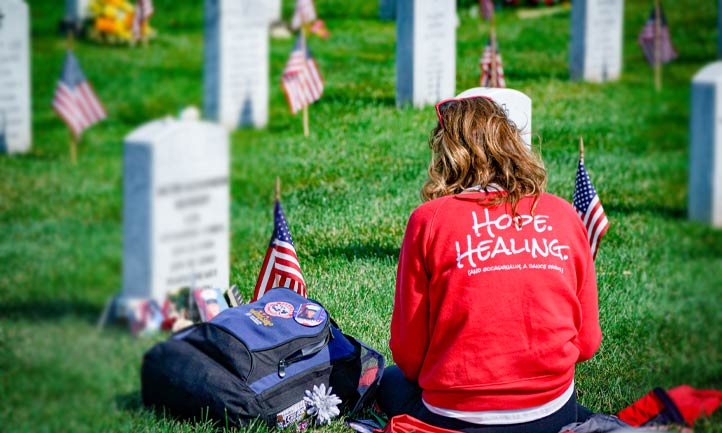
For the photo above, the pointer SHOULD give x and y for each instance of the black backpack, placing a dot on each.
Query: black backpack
(260, 360)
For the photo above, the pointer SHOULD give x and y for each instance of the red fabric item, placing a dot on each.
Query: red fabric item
(409, 424)
(693, 403)
(491, 313)
(641, 410)
(688, 402)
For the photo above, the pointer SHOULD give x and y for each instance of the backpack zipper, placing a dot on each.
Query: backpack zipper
(301, 354)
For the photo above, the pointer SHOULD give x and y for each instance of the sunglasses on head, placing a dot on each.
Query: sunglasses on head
(446, 103)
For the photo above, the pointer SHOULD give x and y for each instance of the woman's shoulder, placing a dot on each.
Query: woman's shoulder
(551, 201)
(428, 210)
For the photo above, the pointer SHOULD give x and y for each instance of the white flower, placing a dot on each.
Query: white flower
(322, 404)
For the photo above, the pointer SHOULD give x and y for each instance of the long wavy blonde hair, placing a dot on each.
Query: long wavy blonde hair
(476, 145)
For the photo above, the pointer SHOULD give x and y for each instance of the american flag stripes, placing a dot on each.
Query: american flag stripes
(487, 9)
(646, 39)
(586, 201)
(74, 99)
(490, 61)
(302, 81)
(304, 13)
(143, 10)
(280, 266)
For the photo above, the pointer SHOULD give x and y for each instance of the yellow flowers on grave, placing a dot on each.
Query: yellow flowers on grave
(115, 22)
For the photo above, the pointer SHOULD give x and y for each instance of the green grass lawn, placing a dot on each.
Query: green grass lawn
(347, 192)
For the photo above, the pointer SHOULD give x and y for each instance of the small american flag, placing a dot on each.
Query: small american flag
(280, 267)
(487, 9)
(589, 208)
(302, 81)
(143, 10)
(490, 58)
(74, 99)
(304, 13)
(646, 39)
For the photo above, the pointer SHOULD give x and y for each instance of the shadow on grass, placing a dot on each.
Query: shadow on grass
(164, 420)
(356, 250)
(370, 100)
(355, 95)
(51, 310)
(670, 212)
(130, 402)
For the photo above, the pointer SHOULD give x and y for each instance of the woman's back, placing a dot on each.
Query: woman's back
(496, 295)
(502, 301)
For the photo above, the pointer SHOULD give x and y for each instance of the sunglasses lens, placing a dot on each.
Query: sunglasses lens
(444, 105)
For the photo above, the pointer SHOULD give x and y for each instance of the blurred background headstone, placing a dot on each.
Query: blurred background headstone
(595, 52)
(274, 10)
(387, 10)
(705, 153)
(235, 63)
(15, 124)
(176, 200)
(425, 51)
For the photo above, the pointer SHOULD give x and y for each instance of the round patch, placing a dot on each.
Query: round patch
(283, 310)
(310, 315)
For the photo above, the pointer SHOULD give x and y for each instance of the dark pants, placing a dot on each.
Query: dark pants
(397, 395)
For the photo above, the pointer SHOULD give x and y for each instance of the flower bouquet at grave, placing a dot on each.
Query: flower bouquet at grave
(178, 310)
(115, 22)
(186, 306)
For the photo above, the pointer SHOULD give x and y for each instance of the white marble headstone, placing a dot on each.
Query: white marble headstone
(516, 104)
(15, 123)
(705, 164)
(595, 52)
(387, 9)
(236, 56)
(176, 200)
(425, 51)
(274, 10)
(76, 10)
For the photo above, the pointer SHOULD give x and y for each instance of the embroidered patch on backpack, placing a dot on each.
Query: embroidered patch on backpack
(280, 309)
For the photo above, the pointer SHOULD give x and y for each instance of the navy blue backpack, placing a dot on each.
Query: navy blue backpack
(257, 361)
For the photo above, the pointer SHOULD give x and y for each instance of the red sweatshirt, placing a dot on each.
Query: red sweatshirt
(492, 316)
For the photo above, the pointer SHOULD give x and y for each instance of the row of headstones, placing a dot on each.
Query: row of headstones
(176, 227)
(236, 86)
(176, 212)
(176, 193)
(426, 45)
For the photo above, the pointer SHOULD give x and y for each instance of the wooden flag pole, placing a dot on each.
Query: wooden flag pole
(73, 149)
(144, 30)
(70, 40)
(305, 108)
(144, 36)
(657, 46)
(581, 149)
(278, 188)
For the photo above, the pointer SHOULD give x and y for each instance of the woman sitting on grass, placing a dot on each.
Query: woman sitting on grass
(496, 294)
